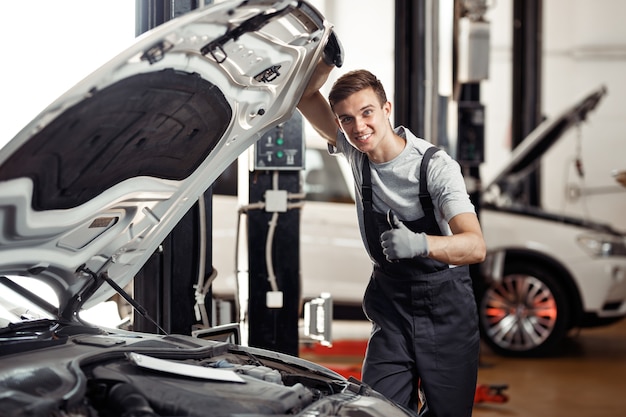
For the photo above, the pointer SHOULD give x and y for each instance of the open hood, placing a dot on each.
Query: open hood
(92, 186)
(505, 187)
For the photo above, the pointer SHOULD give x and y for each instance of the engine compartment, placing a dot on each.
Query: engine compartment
(101, 379)
(120, 387)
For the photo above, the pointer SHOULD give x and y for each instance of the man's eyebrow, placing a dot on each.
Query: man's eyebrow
(360, 110)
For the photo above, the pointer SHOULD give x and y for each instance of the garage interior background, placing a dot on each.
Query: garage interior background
(51, 45)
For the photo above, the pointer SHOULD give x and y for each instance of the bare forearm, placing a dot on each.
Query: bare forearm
(459, 249)
(317, 111)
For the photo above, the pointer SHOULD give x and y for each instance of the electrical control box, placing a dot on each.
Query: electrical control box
(282, 147)
(471, 134)
(473, 50)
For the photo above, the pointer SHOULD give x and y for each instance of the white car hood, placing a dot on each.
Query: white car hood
(92, 186)
(527, 155)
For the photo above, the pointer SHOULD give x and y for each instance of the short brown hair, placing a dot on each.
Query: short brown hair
(353, 82)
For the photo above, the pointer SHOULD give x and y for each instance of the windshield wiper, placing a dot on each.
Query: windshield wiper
(45, 325)
(30, 335)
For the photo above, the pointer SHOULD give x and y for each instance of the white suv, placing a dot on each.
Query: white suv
(546, 273)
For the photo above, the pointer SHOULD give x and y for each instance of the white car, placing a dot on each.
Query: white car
(90, 189)
(545, 273)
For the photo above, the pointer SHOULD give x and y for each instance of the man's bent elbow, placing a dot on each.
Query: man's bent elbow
(480, 251)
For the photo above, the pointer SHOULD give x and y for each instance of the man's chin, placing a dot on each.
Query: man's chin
(360, 148)
(361, 145)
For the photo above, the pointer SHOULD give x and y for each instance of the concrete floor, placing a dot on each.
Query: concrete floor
(587, 378)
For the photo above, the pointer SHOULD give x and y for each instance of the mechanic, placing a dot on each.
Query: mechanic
(419, 297)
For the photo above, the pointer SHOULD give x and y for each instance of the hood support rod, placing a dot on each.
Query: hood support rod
(138, 307)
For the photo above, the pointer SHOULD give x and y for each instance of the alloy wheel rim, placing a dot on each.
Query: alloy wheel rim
(519, 313)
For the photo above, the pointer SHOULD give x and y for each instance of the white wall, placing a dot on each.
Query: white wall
(50, 45)
(366, 30)
(496, 92)
(584, 47)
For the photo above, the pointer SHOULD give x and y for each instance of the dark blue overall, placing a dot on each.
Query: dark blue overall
(425, 330)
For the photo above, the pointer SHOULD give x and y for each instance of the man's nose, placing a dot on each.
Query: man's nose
(359, 124)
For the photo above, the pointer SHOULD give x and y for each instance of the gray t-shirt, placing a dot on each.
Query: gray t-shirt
(395, 184)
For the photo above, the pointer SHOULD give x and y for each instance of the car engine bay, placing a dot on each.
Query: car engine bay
(100, 375)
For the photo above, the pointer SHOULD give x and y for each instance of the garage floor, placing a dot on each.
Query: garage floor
(587, 379)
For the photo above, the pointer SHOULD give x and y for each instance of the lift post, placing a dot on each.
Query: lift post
(274, 238)
(165, 285)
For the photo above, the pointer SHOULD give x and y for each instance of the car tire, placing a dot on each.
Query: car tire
(524, 314)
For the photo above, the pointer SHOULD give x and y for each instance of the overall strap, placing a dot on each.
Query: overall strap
(424, 196)
(369, 220)
(366, 186)
(372, 230)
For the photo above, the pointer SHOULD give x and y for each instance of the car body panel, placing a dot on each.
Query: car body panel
(595, 278)
(527, 154)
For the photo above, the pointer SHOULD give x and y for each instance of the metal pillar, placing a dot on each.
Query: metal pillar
(472, 66)
(526, 106)
(274, 328)
(410, 69)
(270, 326)
(165, 286)
(151, 13)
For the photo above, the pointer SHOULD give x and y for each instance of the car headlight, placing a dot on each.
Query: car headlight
(602, 244)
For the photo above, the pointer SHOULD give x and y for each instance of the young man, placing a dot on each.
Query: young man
(421, 232)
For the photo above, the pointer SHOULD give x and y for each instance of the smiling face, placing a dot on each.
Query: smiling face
(365, 122)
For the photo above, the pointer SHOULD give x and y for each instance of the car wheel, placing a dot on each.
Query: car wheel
(524, 314)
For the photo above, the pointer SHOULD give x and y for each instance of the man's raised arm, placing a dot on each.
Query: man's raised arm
(315, 108)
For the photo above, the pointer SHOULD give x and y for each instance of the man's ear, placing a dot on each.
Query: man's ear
(387, 108)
